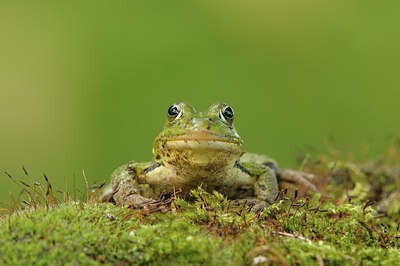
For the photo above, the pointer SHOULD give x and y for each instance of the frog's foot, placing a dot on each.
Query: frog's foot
(254, 204)
(300, 178)
(149, 205)
(163, 204)
(152, 206)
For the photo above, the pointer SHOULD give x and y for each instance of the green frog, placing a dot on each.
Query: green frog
(201, 149)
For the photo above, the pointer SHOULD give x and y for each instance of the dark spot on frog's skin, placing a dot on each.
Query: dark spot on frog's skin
(245, 191)
(158, 157)
(262, 187)
(273, 167)
(213, 169)
(242, 168)
(210, 167)
(132, 170)
(152, 167)
(208, 127)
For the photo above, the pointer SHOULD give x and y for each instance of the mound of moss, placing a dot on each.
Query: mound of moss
(353, 221)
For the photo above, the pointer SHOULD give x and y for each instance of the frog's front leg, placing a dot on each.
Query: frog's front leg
(266, 186)
(130, 188)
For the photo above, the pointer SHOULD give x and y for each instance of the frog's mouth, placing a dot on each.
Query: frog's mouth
(205, 137)
(199, 149)
(204, 141)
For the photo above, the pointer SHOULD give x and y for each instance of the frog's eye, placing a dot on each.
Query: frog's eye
(226, 113)
(174, 112)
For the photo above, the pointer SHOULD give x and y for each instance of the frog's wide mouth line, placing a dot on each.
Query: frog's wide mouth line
(209, 145)
(204, 137)
(204, 144)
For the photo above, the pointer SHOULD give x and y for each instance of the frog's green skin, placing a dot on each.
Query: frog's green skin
(197, 149)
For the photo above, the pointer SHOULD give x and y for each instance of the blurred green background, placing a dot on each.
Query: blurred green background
(87, 86)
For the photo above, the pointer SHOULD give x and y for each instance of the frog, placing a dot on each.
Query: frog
(201, 149)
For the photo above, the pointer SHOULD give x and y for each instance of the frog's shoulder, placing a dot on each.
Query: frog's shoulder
(257, 158)
(256, 162)
(127, 177)
(132, 169)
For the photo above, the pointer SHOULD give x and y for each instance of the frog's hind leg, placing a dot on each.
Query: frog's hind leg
(298, 177)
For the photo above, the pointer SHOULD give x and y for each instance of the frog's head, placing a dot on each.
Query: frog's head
(204, 138)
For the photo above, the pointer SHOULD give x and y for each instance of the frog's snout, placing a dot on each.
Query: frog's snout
(201, 123)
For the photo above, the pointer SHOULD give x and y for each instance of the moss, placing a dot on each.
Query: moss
(354, 221)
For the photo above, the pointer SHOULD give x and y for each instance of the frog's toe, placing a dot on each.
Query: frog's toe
(152, 206)
(254, 204)
(306, 175)
(245, 202)
(163, 204)
(260, 206)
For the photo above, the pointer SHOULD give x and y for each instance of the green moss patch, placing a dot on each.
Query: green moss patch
(354, 221)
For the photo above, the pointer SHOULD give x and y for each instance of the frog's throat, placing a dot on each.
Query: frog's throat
(200, 155)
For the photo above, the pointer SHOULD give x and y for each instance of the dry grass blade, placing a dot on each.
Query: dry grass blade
(293, 236)
(24, 169)
(86, 184)
(25, 184)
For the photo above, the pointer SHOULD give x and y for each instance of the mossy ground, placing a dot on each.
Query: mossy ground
(354, 221)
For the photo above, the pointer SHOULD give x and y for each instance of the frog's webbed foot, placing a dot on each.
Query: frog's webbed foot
(149, 205)
(155, 206)
(132, 198)
(300, 178)
(254, 204)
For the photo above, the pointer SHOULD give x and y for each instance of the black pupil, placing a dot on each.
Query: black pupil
(228, 112)
(173, 110)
